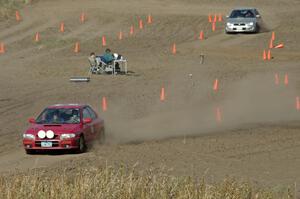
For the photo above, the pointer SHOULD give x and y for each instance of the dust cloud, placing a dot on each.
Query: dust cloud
(249, 102)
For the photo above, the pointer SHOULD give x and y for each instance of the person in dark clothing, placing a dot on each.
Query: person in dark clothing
(107, 57)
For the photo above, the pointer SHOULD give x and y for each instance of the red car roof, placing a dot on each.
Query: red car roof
(67, 106)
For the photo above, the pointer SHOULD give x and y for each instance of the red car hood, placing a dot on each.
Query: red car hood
(56, 128)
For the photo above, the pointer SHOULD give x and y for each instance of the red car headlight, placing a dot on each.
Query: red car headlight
(28, 136)
(50, 134)
(42, 134)
(67, 136)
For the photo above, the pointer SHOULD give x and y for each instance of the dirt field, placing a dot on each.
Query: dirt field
(259, 136)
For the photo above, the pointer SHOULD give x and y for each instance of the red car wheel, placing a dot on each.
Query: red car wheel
(81, 145)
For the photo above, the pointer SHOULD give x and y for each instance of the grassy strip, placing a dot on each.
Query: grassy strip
(123, 183)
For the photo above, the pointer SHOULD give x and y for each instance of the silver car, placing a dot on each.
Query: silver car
(243, 20)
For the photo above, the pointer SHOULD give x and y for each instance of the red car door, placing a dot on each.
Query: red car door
(95, 125)
(88, 127)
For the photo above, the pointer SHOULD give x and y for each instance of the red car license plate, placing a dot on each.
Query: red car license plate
(46, 144)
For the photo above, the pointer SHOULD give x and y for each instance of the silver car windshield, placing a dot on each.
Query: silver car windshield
(242, 14)
(59, 116)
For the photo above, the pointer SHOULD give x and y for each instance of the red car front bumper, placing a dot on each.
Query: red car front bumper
(55, 144)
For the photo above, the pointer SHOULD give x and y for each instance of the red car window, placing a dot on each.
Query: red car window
(92, 113)
(59, 116)
(86, 113)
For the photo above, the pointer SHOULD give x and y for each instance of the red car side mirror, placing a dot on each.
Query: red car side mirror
(31, 120)
(87, 120)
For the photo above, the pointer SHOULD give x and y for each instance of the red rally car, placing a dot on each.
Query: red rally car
(63, 126)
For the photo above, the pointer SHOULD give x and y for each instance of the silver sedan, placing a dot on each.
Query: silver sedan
(243, 20)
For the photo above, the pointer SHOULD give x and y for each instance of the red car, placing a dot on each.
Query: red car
(63, 126)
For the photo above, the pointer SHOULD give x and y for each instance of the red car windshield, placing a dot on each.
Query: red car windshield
(59, 116)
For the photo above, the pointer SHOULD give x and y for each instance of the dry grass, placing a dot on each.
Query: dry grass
(124, 183)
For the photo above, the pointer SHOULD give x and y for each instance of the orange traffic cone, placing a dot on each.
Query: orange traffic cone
(77, 47)
(131, 30)
(216, 85)
(213, 26)
(149, 20)
(103, 41)
(141, 24)
(276, 79)
(269, 56)
(273, 36)
(286, 79)
(162, 94)
(264, 55)
(220, 19)
(215, 18)
(120, 35)
(2, 48)
(37, 37)
(279, 46)
(209, 18)
(174, 50)
(82, 17)
(104, 104)
(201, 35)
(298, 103)
(62, 27)
(18, 17)
(218, 114)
